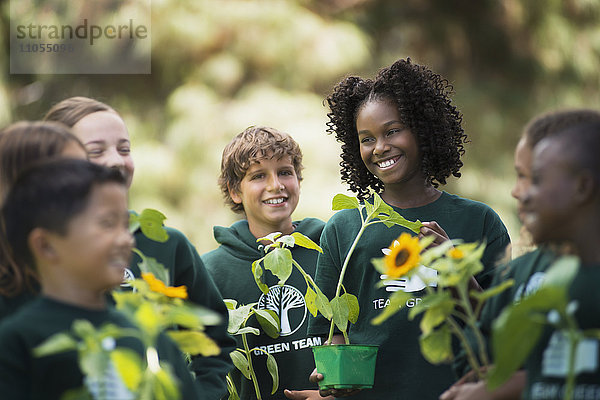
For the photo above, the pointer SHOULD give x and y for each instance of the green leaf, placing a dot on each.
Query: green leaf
(343, 202)
(562, 272)
(271, 237)
(398, 219)
(516, 331)
(269, 322)
(194, 342)
(240, 362)
(257, 272)
(165, 386)
(231, 304)
(340, 313)
(436, 346)
(149, 264)
(279, 262)
(353, 307)
(310, 299)
(306, 242)
(93, 363)
(248, 329)
(274, 371)
(493, 291)
(57, 343)
(397, 302)
(437, 309)
(151, 223)
(147, 318)
(323, 304)
(287, 240)
(128, 364)
(192, 316)
(238, 316)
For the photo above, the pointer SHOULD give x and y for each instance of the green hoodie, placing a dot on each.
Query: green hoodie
(230, 265)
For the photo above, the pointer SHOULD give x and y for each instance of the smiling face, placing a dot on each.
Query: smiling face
(388, 149)
(269, 192)
(549, 203)
(96, 248)
(106, 140)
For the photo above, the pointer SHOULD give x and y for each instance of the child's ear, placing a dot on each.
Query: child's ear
(585, 186)
(40, 244)
(235, 196)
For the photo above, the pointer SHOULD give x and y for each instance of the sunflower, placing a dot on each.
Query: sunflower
(156, 285)
(403, 256)
(455, 253)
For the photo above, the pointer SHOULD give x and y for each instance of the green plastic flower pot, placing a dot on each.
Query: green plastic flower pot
(346, 366)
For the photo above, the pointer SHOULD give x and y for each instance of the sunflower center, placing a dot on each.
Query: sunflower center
(402, 257)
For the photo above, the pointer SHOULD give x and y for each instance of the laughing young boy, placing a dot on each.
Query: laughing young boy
(68, 219)
(260, 177)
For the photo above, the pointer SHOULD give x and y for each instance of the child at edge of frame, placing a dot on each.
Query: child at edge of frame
(261, 170)
(562, 205)
(529, 269)
(401, 138)
(68, 219)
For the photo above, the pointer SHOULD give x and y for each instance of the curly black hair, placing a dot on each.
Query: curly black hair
(423, 100)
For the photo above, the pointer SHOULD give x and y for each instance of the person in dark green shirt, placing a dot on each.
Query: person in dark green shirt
(106, 139)
(528, 270)
(562, 205)
(260, 177)
(68, 219)
(401, 137)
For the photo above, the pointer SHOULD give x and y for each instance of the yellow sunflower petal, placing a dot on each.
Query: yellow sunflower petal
(404, 256)
(455, 253)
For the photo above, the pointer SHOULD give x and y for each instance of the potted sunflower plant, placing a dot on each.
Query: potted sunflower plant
(348, 366)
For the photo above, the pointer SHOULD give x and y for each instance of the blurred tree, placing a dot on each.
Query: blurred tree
(219, 66)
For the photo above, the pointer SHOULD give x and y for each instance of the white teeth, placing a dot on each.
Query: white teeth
(275, 201)
(385, 164)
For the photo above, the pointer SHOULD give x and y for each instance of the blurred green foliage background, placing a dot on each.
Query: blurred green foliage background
(219, 66)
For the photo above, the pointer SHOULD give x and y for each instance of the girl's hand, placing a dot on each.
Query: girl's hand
(304, 395)
(432, 228)
(315, 377)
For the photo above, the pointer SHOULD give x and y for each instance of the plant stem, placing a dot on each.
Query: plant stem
(341, 278)
(472, 323)
(250, 367)
(463, 339)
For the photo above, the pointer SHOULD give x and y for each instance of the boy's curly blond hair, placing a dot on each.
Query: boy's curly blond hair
(253, 144)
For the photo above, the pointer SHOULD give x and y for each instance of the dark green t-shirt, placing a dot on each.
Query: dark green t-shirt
(230, 265)
(547, 365)
(401, 371)
(24, 376)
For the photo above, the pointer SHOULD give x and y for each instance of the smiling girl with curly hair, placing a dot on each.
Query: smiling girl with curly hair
(401, 138)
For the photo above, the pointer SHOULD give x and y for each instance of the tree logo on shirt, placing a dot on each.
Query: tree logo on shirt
(288, 302)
